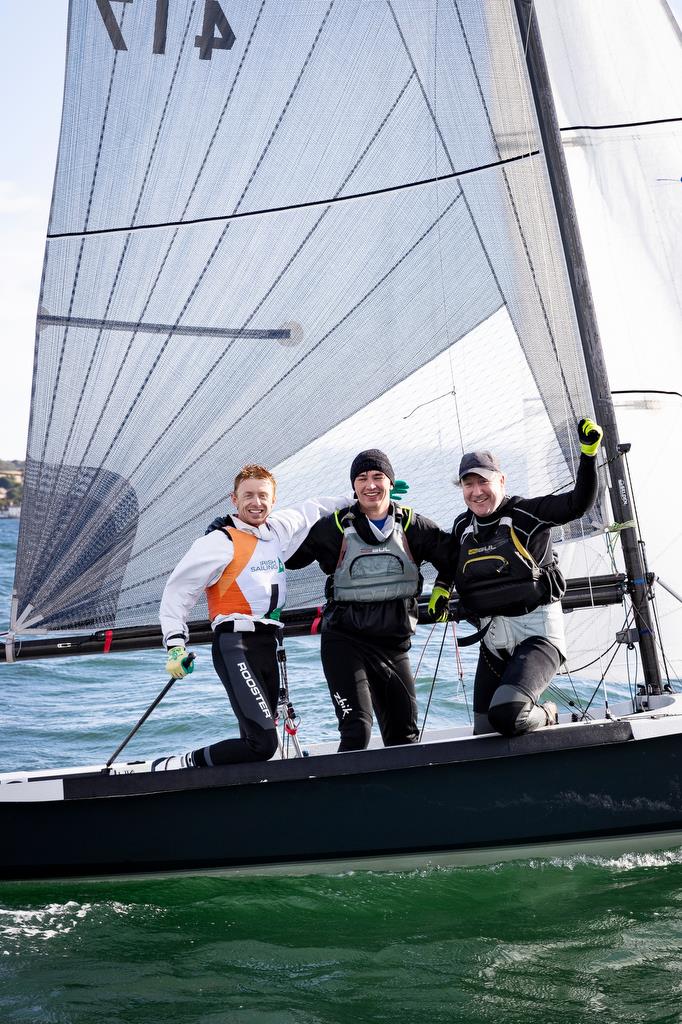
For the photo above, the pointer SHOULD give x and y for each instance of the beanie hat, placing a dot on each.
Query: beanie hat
(371, 459)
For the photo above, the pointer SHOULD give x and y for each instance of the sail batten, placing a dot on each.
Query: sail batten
(461, 172)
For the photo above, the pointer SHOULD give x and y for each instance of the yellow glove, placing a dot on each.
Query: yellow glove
(590, 435)
(438, 604)
(179, 663)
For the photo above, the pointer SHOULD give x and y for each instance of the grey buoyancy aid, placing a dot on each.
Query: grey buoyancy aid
(500, 577)
(374, 572)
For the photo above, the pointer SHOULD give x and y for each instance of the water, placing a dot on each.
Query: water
(526, 942)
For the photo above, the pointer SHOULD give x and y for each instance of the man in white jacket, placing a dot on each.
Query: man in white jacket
(240, 566)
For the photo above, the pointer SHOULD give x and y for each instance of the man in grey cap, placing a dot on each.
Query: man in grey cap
(371, 553)
(505, 572)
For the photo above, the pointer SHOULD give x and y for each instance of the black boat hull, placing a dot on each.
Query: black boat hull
(473, 800)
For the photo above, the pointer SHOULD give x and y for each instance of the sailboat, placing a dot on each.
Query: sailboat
(276, 231)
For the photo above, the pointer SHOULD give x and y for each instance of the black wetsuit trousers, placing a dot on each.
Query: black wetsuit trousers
(248, 668)
(507, 687)
(362, 677)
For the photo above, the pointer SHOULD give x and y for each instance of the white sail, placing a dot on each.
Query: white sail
(282, 237)
(616, 71)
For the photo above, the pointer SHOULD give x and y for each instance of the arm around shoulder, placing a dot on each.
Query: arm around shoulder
(322, 545)
(293, 524)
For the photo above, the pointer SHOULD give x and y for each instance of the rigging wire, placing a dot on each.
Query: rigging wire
(423, 650)
(460, 670)
(599, 686)
(433, 683)
(588, 664)
(459, 664)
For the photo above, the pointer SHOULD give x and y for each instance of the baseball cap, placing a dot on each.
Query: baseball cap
(482, 463)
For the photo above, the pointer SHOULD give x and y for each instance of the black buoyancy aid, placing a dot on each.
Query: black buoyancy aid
(500, 577)
(374, 572)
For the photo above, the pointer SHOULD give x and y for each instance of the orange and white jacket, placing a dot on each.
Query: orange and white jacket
(241, 568)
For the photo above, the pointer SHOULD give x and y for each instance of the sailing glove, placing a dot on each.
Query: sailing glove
(590, 435)
(438, 604)
(175, 666)
(399, 489)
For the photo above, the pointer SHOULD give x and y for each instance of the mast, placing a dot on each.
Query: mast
(621, 501)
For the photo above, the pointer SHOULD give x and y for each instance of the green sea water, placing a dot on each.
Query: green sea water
(546, 941)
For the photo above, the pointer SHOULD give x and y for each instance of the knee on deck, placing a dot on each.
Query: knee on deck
(263, 743)
(511, 718)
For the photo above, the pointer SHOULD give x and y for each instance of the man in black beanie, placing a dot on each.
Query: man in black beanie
(371, 553)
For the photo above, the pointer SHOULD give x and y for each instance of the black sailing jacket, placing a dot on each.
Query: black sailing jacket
(385, 623)
(532, 519)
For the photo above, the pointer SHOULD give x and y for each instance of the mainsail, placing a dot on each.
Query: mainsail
(281, 233)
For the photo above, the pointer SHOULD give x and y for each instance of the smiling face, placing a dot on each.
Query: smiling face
(253, 500)
(373, 489)
(482, 496)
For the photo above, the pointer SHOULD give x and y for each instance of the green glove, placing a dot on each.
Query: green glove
(399, 489)
(175, 666)
(590, 435)
(438, 604)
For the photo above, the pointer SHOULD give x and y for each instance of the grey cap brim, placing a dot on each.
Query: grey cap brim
(487, 474)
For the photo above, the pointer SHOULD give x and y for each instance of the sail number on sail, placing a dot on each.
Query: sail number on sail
(214, 19)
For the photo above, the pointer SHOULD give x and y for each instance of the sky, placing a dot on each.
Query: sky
(32, 46)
